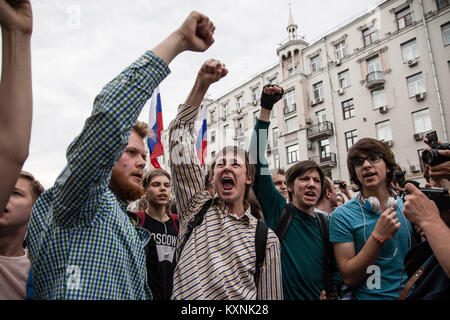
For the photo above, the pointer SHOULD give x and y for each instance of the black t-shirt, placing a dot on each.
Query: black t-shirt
(161, 256)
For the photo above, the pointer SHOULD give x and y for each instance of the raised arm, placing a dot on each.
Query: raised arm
(96, 150)
(264, 189)
(186, 171)
(16, 101)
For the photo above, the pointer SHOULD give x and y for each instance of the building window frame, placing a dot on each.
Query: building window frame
(318, 90)
(384, 130)
(409, 50)
(348, 109)
(289, 102)
(292, 153)
(340, 49)
(421, 120)
(415, 84)
(315, 63)
(379, 98)
(403, 18)
(351, 137)
(441, 4)
(445, 30)
(344, 79)
(369, 35)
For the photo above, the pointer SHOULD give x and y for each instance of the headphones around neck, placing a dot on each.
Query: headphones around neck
(373, 204)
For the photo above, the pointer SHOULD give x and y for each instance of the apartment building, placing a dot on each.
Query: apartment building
(384, 75)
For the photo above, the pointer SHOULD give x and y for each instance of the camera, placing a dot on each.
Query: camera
(432, 157)
(337, 182)
(439, 195)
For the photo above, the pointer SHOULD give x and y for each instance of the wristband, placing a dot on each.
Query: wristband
(379, 241)
(268, 100)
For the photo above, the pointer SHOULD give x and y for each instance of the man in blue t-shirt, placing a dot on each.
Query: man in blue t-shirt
(370, 234)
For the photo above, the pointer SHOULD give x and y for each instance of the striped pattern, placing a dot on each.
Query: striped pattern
(82, 244)
(218, 261)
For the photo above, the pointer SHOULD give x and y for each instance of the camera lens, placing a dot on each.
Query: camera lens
(428, 156)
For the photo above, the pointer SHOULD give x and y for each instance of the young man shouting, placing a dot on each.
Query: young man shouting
(82, 243)
(219, 258)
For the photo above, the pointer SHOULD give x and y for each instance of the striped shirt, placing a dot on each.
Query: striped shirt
(82, 244)
(218, 260)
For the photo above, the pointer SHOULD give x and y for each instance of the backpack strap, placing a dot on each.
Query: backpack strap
(327, 250)
(284, 222)
(196, 221)
(260, 247)
(174, 218)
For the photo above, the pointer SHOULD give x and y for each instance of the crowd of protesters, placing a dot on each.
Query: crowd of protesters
(241, 232)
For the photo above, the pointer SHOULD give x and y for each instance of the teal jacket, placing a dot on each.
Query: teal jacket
(302, 260)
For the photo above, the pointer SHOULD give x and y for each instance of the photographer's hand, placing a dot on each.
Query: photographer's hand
(441, 171)
(418, 208)
(422, 211)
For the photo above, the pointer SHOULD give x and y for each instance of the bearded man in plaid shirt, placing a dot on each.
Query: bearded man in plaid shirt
(81, 241)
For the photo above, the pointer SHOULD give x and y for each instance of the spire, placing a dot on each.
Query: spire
(292, 27)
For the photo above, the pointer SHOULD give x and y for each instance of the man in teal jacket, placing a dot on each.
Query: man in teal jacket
(302, 257)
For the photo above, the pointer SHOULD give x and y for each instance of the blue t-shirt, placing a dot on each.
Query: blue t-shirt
(352, 222)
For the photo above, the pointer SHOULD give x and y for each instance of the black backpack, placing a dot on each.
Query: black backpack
(283, 225)
(260, 237)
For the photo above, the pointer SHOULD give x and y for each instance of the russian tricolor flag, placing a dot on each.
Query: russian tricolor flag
(200, 146)
(155, 124)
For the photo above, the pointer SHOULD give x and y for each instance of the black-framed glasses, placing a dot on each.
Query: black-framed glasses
(373, 158)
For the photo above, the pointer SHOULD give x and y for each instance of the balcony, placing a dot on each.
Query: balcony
(319, 131)
(375, 79)
(325, 160)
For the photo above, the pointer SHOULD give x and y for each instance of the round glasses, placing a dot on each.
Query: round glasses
(372, 158)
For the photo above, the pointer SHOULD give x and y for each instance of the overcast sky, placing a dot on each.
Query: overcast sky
(80, 45)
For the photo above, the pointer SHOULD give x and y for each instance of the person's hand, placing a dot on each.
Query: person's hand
(441, 171)
(418, 208)
(196, 32)
(270, 95)
(16, 15)
(343, 186)
(211, 71)
(323, 295)
(387, 224)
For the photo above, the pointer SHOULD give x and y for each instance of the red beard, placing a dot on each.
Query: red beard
(123, 188)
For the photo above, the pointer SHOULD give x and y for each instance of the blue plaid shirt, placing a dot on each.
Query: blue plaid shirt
(81, 242)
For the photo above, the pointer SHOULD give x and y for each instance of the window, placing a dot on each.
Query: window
(378, 98)
(255, 94)
(212, 116)
(442, 4)
(289, 101)
(373, 64)
(226, 110)
(341, 50)
(369, 36)
(291, 125)
(404, 18)
(409, 50)
(415, 84)
(240, 123)
(318, 90)
(351, 137)
(422, 121)
(292, 154)
(276, 160)
(324, 149)
(384, 130)
(240, 102)
(446, 33)
(344, 79)
(213, 154)
(321, 116)
(275, 137)
(315, 63)
(225, 129)
(274, 112)
(213, 136)
(348, 109)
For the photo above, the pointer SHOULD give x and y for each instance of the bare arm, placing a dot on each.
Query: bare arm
(423, 212)
(353, 267)
(15, 93)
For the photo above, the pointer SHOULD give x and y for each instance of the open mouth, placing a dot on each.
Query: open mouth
(368, 175)
(310, 194)
(138, 176)
(163, 196)
(227, 183)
